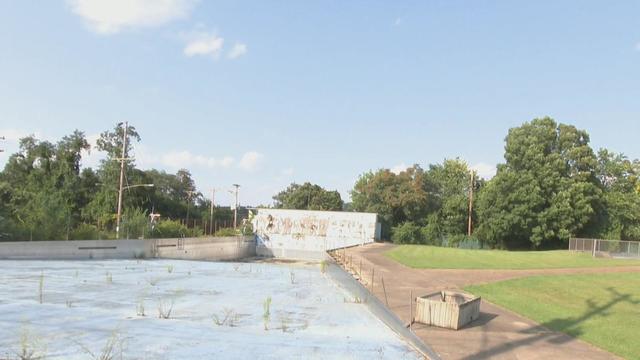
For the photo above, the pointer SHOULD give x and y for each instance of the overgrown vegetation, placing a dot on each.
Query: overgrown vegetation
(552, 186)
(47, 195)
(266, 313)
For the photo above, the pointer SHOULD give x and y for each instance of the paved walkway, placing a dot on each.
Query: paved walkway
(497, 334)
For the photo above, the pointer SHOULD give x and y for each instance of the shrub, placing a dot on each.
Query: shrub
(174, 229)
(407, 233)
(84, 232)
(135, 223)
(227, 232)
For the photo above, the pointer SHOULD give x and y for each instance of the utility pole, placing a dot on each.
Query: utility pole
(122, 160)
(1, 138)
(213, 195)
(471, 185)
(189, 195)
(235, 210)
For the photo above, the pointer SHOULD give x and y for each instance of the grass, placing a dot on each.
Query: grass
(433, 257)
(602, 309)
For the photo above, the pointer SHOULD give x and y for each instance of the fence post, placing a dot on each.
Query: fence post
(373, 271)
(410, 310)
(595, 241)
(385, 291)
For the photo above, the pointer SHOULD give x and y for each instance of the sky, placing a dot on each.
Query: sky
(266, 93)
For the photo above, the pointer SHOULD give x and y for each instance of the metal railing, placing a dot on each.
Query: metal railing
(606, 248)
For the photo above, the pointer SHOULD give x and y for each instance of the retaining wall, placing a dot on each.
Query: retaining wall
(221, 248)
(303, 233)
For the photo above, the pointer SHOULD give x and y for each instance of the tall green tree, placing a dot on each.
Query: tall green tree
(448, 187)
(618, 216)
(396, 198)
(308, 197)
(545, 192)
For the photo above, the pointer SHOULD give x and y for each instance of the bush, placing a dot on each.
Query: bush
(407, 233)
(227, 232)
(134, 223)
(84, 232)
(169, 229)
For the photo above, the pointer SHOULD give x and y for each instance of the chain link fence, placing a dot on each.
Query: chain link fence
(606, 248)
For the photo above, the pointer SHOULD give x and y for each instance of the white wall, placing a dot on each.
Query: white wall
(304, 231)
(213, 248)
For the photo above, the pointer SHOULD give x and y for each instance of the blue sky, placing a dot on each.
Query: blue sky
(264, 93)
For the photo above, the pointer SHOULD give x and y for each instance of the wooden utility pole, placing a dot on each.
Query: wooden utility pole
(235, 209)
(1, 138)
(471, 185)
(122, 160)
(213, 195)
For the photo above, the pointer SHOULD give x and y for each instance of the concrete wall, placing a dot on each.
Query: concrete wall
(226, 248)
(304, 234)
(222, 248)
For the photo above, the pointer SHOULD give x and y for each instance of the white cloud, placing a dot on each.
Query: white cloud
(638, 46)
(399, 168)
(250, 161)
(185, 159)
(238, 50)
(485, 171)
(398, 21)
(203, 43)
(112, 16)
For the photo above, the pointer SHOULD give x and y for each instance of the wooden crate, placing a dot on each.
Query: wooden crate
(447, 309)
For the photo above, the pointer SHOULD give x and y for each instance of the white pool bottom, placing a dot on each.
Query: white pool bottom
(82, 309)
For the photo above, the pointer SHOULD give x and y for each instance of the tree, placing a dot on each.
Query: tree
(396, 198)
(102, 208)
(448, 188)
(545, 192)
(308, 197)
(618, 217)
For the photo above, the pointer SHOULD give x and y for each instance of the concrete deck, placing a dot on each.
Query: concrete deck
(497, 334)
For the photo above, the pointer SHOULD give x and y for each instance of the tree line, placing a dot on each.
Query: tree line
(552, 186)
(45, 193)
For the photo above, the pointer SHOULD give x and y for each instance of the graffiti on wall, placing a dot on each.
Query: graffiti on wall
(318, 229)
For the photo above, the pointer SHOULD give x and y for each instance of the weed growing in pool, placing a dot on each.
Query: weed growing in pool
(323, 266)
(41, 288)
(164, 310)
(30, 348)
(284, 322)
(153, 281)
(169, 269)
(236, 267)
(112, 349)
(266, 315)
(229, 318)
(355, 300)
(140, 307)
(292, 275)
(69, 303)
(109, 278)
